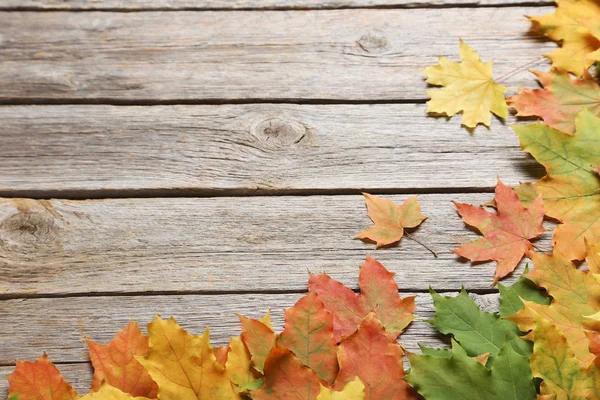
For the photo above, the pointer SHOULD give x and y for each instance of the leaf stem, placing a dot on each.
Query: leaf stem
(509, 73)
(411, 237)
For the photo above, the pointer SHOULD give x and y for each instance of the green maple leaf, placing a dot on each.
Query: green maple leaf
(450, 375)
(523, 288)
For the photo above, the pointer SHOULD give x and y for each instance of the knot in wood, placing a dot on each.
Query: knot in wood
(28, 232)
(277, 133)
(372, 43)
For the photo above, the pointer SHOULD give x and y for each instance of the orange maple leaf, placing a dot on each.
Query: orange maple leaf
(286, 378)
(41, 380)
(308, 333)
(259, 338)
(373, 355)
(379, 293)
(506, 234)
(561, 99)
(390, 219)
(115, 363)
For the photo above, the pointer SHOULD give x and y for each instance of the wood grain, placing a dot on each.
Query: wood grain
(238, 4)
(338, 55)
(220, 244)
(60, 326)
(66, 151)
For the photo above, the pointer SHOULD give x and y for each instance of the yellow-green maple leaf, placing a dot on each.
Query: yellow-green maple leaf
(354, 390)
(468, 87)
(571, 188)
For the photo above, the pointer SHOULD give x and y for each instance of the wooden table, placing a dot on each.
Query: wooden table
(197, 158)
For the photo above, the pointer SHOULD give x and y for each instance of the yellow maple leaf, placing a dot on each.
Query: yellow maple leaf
(468, 87)
(354, 390)
(183, 365)
(569, 25)
(108, 392)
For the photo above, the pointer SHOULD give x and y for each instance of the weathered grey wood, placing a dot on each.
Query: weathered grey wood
(247, 148)
(236, 4)
(59, 326)
(279, 55)
(219, 244)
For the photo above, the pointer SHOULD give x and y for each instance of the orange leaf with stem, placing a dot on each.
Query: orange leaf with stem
(39, 380)
(390, 220)
(372, 355)
(308, 333)
(378, 293)
(506, 234)
(115, 363)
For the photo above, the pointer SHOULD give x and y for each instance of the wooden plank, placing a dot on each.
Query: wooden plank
(267, 148)
(220, 244)
(60, 326)
(362, 54)
(238, 4)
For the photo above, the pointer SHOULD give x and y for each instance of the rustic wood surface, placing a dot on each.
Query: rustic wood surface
(250, 149)
(203, 156)
(244, 4)
(221, 244)
(349, 55)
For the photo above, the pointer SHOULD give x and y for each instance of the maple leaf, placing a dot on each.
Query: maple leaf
(373, 355)
(115, 363)
(592, 257)
(354, 390)
(39, 380)
(259, 338)
(454, 375)
(183, 365)
(506, 234)
(561, 99)
(286, 378)
(575, 294)
(571, 188)
(308, 333)
(108, 392)
(221, 354)
(468, 87)
(568, 25)
(523, 289)
(553, 361)
(378, 293)
(390, 219)
(477, 332)
(239, 367)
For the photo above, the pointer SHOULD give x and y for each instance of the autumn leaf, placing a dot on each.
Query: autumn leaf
(468, 87)
(561, 99)
(259, 338)
(378, 293)
(286, 378)
(354, 390)
(455, 375)
(390, 219)
(575, 294)
(523, 289)
(477, 332)
(183, 365)
(592, 257)
(238, 367)
(571, 188)
(221, 354)
(116, 365)
(308, 333)
(506, 234)
(39, 380)
(108, 392)
(568, 25)
(373, 355)
(553, 361)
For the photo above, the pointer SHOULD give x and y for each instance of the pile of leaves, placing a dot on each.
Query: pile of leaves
(543, 344)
